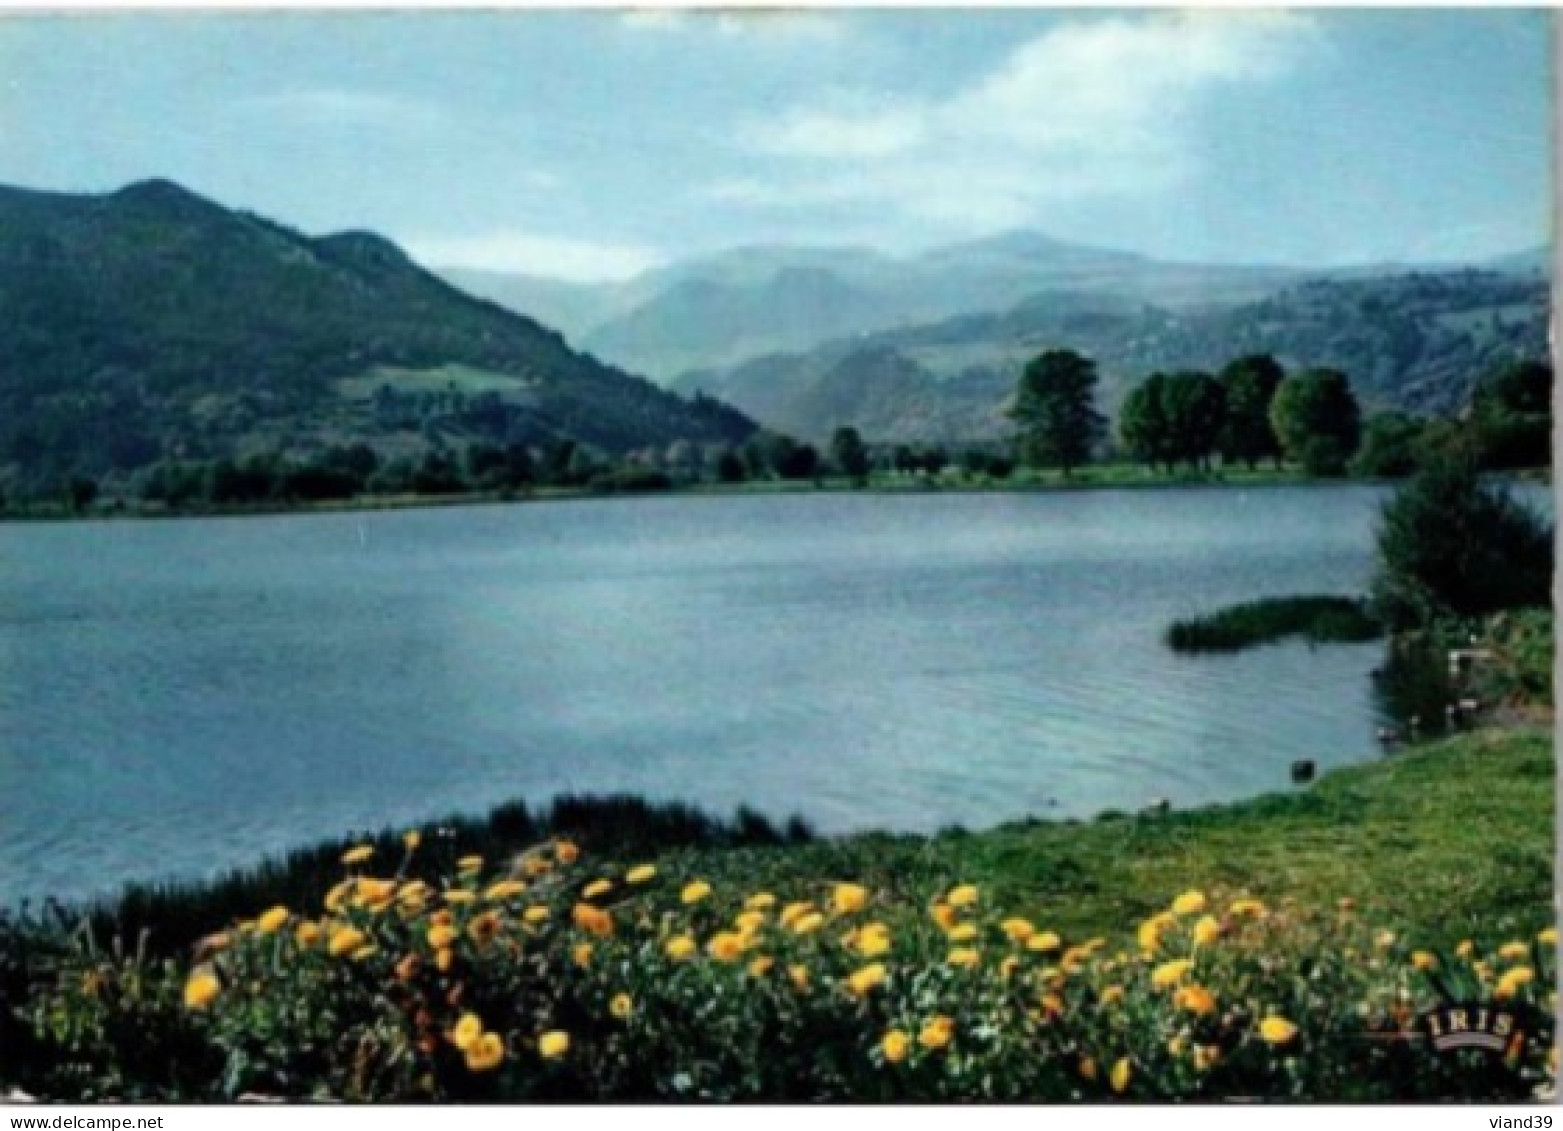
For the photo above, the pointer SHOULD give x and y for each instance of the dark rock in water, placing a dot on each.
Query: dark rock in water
(1303, 770)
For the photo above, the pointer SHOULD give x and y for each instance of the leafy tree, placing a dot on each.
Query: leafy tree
(80, 492)
(1142, 422)
(1250, 384)
(1316, 418)
(1450, 545)
(1391, 446)
(1055, 407)
(730, 466)
(849, 453)
(1512, 415)
(1195, 408)
(801, 462)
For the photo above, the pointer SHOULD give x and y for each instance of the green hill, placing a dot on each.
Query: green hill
(152, 323)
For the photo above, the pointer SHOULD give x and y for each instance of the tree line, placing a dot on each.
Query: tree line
(1253, 411)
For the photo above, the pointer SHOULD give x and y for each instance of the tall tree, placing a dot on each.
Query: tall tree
(1195, 406)
(1143, 425)
(1250, 384)
(849, 453)
(1055, 407)
(1317, 419)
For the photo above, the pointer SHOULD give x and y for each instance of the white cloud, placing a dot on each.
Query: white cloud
(777, 24)
(347, 108)
(1094, 106)
(531, 254)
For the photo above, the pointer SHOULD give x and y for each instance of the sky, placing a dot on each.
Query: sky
(592, 145)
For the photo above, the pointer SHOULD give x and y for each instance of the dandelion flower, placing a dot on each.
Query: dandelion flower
(469, 1027)
(1276, 1030)
(1088, 1068)
(1111, 994)
(937, 1032)
(1008, 966)
(1465, 949)
(963, 932)
(808, 923)
(201, 989)
(640, 874)
(1207, 930)
(1189, 903)
(1548, 936)
(963, 957)
(504, 889)
(1512, 980)
(270, 922)
(1196, 999)
(848, 898)
(307, 934)
(581, 955)
(793, 912)
(358, 855)
(553, 1044)
(1018, 930)
(535, 914)
(338, 894)
(964, 895)
(1247, 907)
(440, 936)
(761, 965)
(407, 968)
(1044, 942)
(944, 915)
(444, 958)
(749, 922)
(345, 940)
(868, 978)
(368, 950)
(679, 947)
(411, 839)
(593, 920)
(894, 1045)
(469, 864)
(485, 1053)
(1423, 960)
(1206, 1057)
(799, 976)
(1514, 951)
(1170, 973)
(459, 896)
(873, 941)
(621, 1006)
(1119, 1077)
(596, 888)
(726, 946)
(760, 901)
(565, 852)
(483, 928)
(695, 891)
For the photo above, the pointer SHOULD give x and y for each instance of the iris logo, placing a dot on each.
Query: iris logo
(1475, 1025)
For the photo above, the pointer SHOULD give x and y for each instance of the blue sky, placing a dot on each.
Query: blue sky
(594, 144)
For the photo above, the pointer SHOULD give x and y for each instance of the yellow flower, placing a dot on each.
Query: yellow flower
(793, 912)
(358, 855)
(1423, 960)
(1547, 936)
(621, 1006)
(640, 874)
(441, 936)
(812, 921)
(1247, 907)
(868, 978)
(444, 958)
(944, 915)
(1513, 951)
(1196, 999)
(504, 889)
(894, 1045)
(202, 989)
(566, 852)
(964, 957)
(1206, 1057)
(1053, 1004)
(1512, 980)
(1207, 930)
(582, 954)
(799, 975)
(963, 932)
(272, 921)
(1189, 903)
(1465, 949)
(535, 914)
(695, 891)
(469, 864)
(1044, 942)
(873, 941)
(937, 1032)
(485, 1053)
(1170, 973)
(679, 947)
(411, 839)
(761, 966)
(469, 1027)
(1384, 940)
(1119, 1077)
(338, 894)
(963, 895)
(553, 1044)
(483, 928)
(1150, 931)
(726, 946)
(1008, 966)
(458, 896)
(1088, 1067)
(593, 920)
(1018, 930)
(363, 952)
(596, 888)
(308, 933)
(407, 968)
(1277, 1030)
(749, 922)
(848, 898)
(1112, 994)
(760, 901)
(345, 940)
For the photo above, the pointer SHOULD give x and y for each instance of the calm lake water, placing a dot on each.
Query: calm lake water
(180, 696)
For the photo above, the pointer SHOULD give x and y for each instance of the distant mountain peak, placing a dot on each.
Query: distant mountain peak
(164, 195)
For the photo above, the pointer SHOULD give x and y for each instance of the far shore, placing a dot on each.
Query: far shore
(1114, 477)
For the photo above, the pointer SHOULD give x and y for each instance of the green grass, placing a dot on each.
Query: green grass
(1448, 840)
(1320, 620)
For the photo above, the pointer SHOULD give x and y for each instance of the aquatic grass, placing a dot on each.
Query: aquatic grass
(1318, 619)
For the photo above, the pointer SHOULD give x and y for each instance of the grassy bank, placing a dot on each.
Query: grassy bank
(1319, 620)
(866, 967)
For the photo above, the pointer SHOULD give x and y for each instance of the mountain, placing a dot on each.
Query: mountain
(152, 322)
(722, 309)
(1414, 341)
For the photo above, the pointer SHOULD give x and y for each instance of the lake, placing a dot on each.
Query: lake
(184, 695)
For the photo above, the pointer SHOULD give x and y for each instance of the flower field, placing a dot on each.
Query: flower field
(551, 976)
